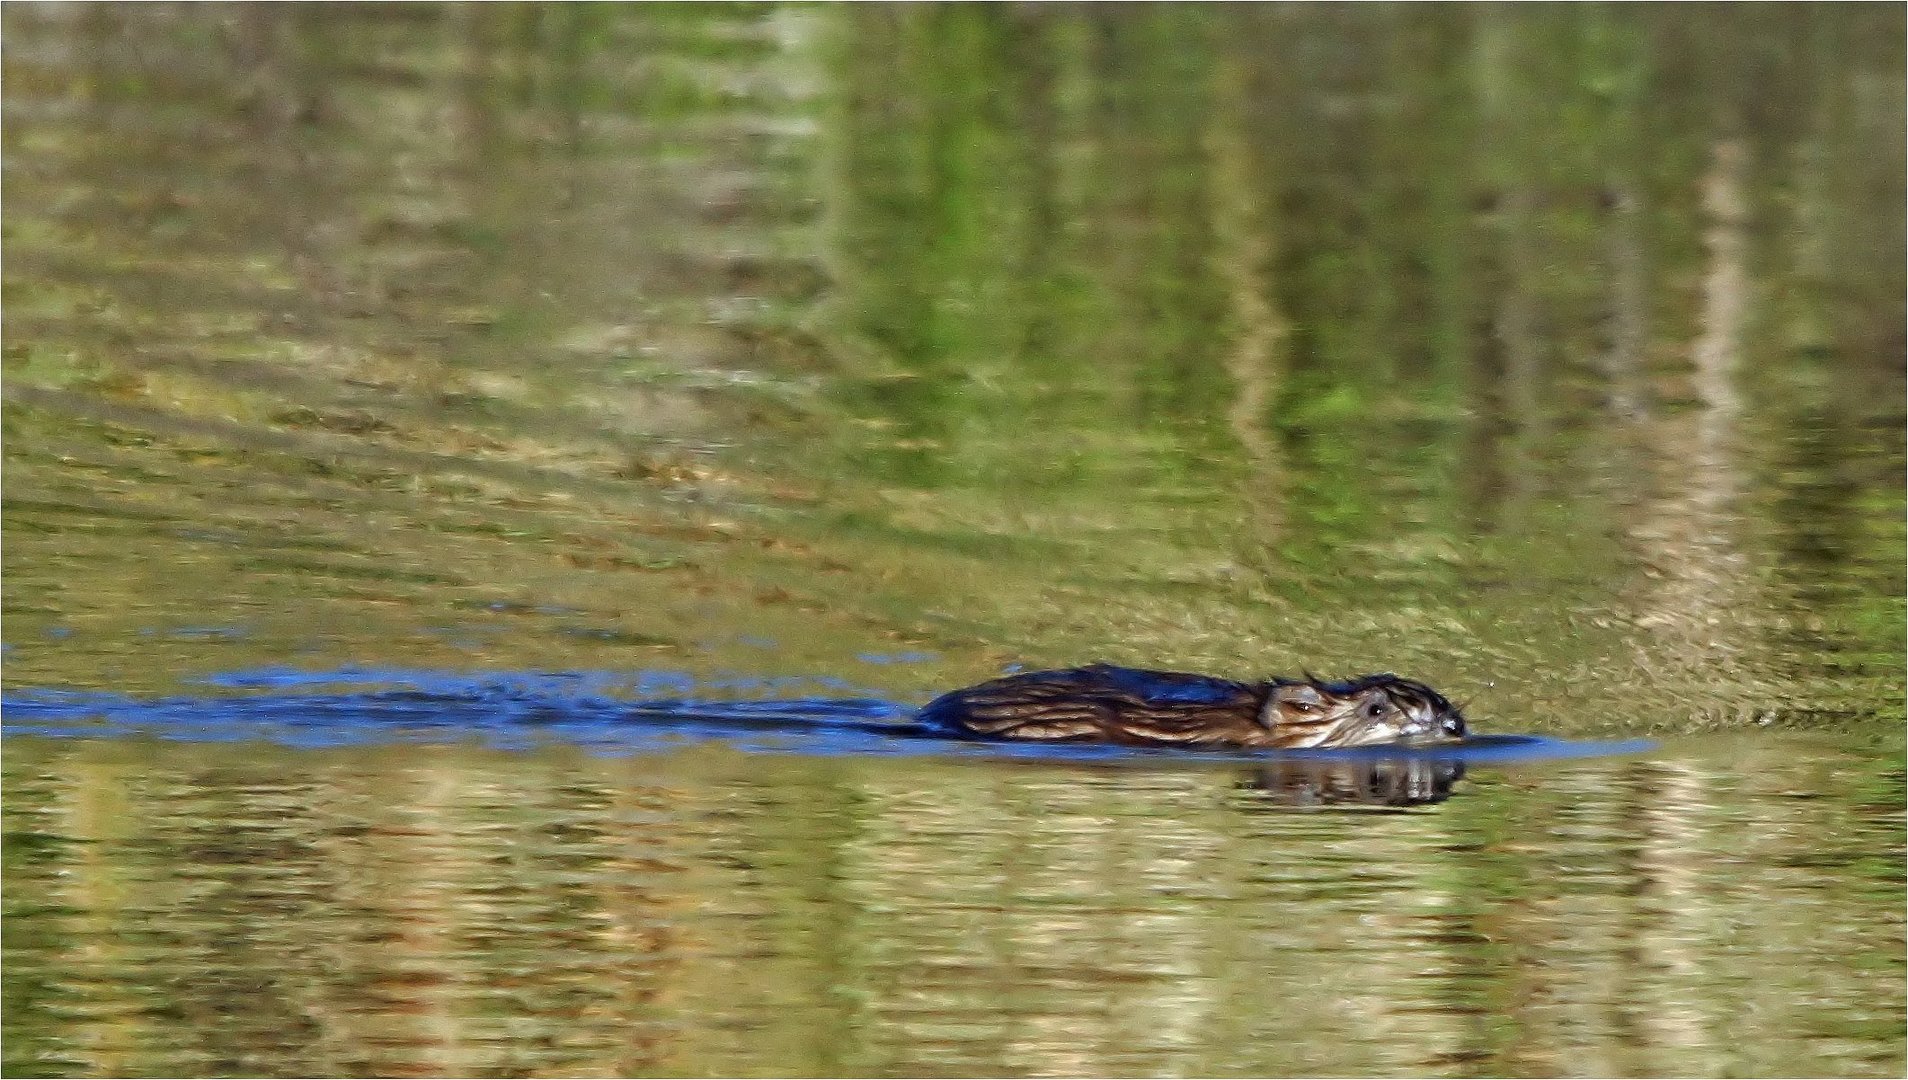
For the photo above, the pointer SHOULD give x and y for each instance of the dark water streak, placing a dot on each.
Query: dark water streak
(598, 711)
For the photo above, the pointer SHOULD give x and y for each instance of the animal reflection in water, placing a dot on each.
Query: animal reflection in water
(1394, 782)
(1102, 703)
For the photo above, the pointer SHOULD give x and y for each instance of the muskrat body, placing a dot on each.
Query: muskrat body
(1102, 703)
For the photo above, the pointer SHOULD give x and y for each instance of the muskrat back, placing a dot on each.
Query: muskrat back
(1104, 703)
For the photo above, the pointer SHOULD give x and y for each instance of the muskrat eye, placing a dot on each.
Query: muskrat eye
(1375, 709)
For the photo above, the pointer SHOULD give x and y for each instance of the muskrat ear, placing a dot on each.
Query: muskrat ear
(1293, 703)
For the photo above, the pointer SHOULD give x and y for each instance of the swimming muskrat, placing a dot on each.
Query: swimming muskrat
(1102, 703)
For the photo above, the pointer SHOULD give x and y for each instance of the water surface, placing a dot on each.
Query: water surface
(808, 362)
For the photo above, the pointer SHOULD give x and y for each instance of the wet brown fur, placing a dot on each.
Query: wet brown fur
(1100, 703)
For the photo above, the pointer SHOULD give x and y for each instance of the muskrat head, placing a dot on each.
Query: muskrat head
(1361, 712)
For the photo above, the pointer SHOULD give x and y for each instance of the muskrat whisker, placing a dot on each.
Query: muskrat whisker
(1466, 703)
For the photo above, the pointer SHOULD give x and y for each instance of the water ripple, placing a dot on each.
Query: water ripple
(606, 712)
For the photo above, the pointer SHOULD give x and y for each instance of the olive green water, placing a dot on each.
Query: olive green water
(1552, 355)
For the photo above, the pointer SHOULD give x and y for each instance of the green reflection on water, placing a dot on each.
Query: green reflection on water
(1552, 353)
(1725, 907)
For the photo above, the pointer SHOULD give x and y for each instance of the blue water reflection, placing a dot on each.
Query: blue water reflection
(614, 713)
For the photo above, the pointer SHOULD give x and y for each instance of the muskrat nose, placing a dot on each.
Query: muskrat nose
(1452, 725)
